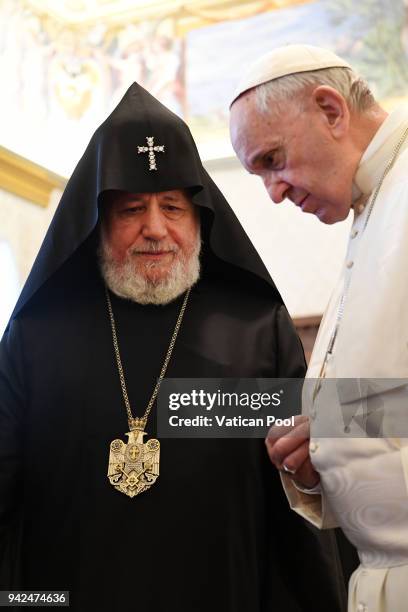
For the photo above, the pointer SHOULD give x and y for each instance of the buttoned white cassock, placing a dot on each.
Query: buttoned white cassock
(365, 481)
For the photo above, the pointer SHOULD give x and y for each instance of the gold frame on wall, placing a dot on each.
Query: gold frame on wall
(26, 179)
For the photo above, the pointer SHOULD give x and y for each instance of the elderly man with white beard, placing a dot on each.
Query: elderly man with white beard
(121, 295)
(150, 245)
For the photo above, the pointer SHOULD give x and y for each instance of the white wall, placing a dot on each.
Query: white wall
(303, 255)
(22, 229)
(9, 283)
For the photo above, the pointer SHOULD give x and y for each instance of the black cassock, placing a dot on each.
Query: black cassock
(214, 533)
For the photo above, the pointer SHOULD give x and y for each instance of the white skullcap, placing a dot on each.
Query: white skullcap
(287, 60)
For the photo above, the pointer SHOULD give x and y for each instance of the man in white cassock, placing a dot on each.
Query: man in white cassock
(309, 126)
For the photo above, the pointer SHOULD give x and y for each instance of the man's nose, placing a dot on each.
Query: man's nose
(154, 223)
(277, 188)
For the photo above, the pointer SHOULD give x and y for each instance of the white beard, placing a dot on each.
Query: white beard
(126, 282)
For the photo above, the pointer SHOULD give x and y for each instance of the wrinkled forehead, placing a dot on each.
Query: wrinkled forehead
(112, 198)
(252, 131)
(245, 118)
(242, 114)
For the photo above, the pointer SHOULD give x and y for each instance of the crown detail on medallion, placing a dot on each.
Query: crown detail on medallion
(137, 424)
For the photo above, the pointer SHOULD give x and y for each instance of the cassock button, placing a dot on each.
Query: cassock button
(350, 264)
(354, 233)
(313, 447)
(360, 208)
(361, 607)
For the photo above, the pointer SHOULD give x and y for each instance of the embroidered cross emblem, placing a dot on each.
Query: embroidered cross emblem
(134, 453)
(151, 149)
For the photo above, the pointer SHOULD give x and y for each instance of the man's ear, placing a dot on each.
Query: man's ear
(334, 109)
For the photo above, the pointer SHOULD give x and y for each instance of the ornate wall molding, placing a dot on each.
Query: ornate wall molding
(27, 179)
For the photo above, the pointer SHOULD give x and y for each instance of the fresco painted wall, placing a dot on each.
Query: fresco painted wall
(371, 34)
(60, 82)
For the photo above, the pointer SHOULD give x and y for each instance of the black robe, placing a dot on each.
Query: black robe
(214, 533)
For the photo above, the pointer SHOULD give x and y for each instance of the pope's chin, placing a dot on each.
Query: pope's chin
(325, 216)
(326, 213)
(329, 216)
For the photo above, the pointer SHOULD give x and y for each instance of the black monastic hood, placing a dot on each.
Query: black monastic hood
(112, 161)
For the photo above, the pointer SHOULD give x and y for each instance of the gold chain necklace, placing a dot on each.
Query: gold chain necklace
(134, 467)
(329, 351)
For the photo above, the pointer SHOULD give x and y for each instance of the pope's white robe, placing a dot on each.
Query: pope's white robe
(364, 481)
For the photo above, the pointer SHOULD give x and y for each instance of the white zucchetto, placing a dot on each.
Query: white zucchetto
(283, 61)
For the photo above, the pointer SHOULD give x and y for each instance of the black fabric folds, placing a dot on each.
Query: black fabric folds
(215, 532)
(111, 161)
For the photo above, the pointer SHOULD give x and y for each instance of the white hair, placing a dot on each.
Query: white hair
(125, 281)
(292, 87)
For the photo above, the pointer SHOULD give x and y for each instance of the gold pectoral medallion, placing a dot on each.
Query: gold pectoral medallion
(134, 467)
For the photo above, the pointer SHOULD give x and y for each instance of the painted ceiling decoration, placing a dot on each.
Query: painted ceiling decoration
(194, 13)
(67, 63)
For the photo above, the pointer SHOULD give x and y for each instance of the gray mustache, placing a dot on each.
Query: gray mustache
(153, 248)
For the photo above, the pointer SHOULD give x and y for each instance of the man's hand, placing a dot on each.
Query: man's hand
(288, 449)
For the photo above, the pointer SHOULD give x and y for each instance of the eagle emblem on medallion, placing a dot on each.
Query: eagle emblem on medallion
(134, 467)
